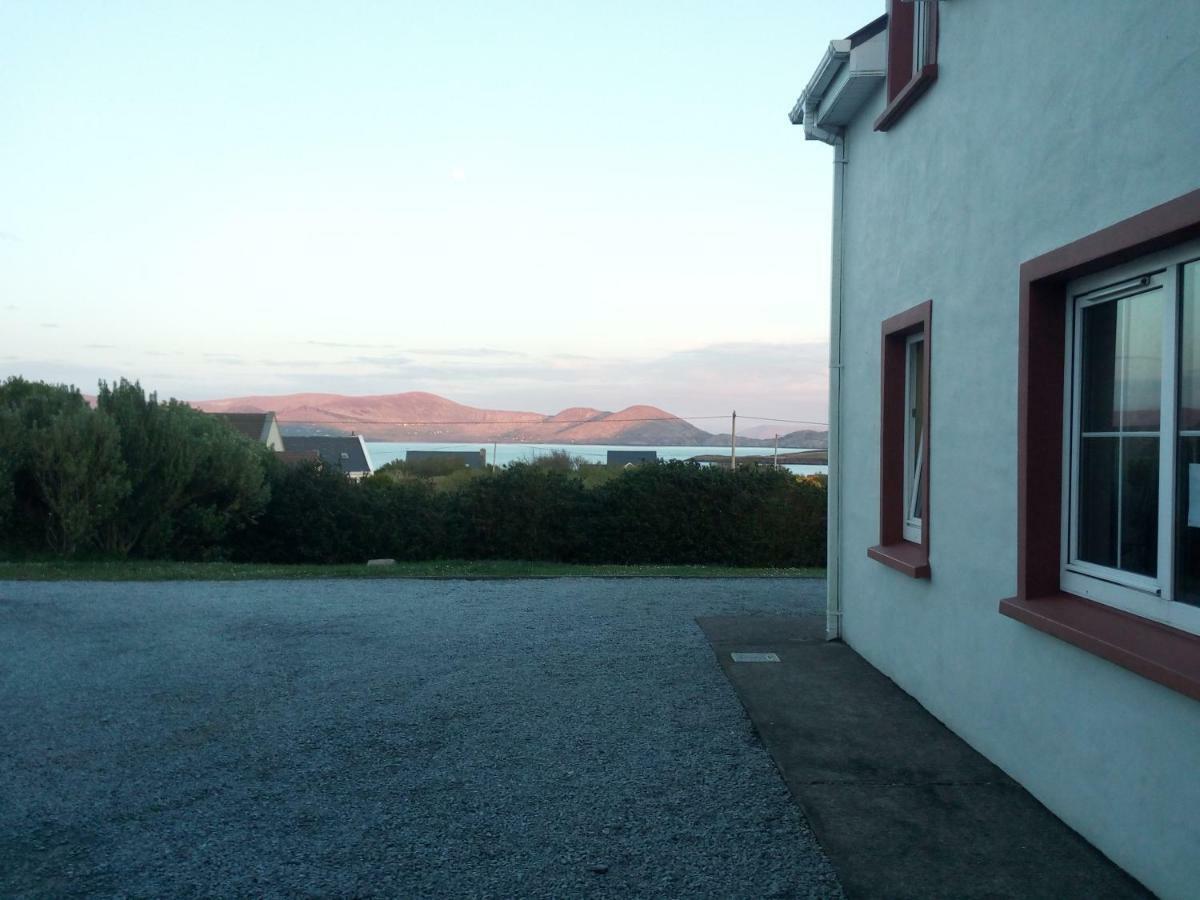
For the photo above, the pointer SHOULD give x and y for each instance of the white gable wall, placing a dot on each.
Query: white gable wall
(1048, 121)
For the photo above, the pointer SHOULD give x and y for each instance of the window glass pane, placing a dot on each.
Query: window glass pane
(920, 35)
(914, 387)
(1139, 505)
(1189, 350)
(1187, 505)
(1121, 397)
(1098, 481)
(1187, 486)
(1122, 364)
(1118, 503)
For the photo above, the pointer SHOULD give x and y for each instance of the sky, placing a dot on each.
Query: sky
(518, 205)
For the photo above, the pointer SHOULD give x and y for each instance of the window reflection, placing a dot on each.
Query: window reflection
(1121, 395)
(1187, 491)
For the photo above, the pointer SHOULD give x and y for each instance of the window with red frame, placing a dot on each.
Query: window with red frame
(904, 443)
(1107, 438)
(912, 56)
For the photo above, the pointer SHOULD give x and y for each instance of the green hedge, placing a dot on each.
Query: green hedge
(142, 479)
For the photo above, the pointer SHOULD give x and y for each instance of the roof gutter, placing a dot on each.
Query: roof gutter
(805, 111)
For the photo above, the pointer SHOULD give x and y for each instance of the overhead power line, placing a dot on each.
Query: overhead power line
(547, 421)
(786, 421)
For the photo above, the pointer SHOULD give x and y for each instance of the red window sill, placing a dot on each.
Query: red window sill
(909, 94)
(1159, 652)
(905, 556)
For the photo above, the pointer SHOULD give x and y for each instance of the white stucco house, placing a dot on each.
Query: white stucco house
(1014, 528)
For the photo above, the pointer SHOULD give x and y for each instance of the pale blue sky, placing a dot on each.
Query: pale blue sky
(529, 205)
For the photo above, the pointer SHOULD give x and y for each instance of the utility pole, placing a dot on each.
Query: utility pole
(733, 443)
(495, 462)
(776, 450)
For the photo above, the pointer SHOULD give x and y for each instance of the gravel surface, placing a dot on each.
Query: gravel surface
(404, 738)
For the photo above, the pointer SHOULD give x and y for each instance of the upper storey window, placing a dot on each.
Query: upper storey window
(912, 56)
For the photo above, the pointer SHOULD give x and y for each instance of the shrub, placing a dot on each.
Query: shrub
(523, 511)
(142, 478)
(196, 482)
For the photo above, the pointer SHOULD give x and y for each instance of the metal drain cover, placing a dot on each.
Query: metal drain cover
(754, 657)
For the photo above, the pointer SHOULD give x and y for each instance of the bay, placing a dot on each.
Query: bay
(383, 452)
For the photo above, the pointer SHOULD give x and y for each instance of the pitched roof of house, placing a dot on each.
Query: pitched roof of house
(349, 454)
(256, 426)
(469, 458)
(620, 457)
(296, 457)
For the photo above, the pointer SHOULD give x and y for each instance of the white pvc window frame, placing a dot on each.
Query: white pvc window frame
(914, 441)
(1149, 597)
(920, 35)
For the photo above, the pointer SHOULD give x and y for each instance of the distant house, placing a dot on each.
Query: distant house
(299, 457)
(631, 457)
(260, 427)
(470, 459)
(344, 454)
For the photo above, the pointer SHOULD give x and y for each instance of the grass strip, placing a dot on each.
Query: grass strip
(146, 570)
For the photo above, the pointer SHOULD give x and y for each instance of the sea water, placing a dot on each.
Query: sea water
(383, 452)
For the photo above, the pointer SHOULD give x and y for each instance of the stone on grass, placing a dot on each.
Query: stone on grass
(381, 562)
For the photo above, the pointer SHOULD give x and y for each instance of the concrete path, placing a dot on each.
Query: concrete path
(903, 807)
(388, 738)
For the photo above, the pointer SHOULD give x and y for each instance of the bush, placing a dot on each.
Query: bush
(430, 467)
(131, 477)
(317, 515)
(680, 512)
(136, 477)
(523, 511)
(197, 482)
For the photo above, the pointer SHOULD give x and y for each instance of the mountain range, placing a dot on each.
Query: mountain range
(419, 416)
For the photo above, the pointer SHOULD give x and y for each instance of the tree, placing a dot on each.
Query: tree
(194, 481)
(24, 407)
(76, 464)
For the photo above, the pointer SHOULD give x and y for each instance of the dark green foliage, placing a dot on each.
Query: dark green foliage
(75, 462)
(140, 478)
(196, 481)
(684, 513)
(317, 515)
(666, 513)
(59, 475)
(522, 512)
(558, 461)
(429, 467)
(133, 477)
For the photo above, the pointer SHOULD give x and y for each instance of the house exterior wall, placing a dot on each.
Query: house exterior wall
(1048, 121)
(274, 438)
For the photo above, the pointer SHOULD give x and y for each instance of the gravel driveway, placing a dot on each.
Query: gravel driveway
(404, 738)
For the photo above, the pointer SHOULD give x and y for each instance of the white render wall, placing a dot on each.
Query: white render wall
(1047, 122)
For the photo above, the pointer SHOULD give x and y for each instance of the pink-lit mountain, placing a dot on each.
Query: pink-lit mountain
(427, 417)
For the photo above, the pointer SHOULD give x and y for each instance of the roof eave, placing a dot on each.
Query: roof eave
(835, 55)
(858, 52)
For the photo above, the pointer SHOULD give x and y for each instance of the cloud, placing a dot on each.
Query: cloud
(472, 352)
(99, 346)
(777, 380)
(339, 346)
(386, 362)
(50, 325)
(783, 380)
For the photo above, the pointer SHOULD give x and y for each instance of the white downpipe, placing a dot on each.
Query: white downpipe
(833, 601)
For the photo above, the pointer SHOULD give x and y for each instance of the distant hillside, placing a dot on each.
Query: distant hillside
(427, 417)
